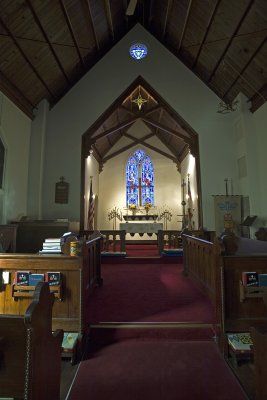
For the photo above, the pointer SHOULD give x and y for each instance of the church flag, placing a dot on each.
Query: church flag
(189, 203)
(90, 222)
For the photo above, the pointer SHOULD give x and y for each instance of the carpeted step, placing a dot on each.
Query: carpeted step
(117, 259)
(108, 333)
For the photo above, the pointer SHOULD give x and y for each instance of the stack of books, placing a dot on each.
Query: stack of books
(51, 246)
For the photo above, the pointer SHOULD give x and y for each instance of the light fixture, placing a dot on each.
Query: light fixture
(138, 51)
(139, 101)
(225, 108)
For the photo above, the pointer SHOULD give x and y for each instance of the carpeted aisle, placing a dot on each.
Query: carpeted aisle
(130, 370)
(148, 293)
(151, 338)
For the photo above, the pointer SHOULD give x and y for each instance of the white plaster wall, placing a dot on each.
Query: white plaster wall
(77, 111)
(15, 133)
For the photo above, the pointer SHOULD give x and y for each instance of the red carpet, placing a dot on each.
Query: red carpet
(148, 293)
(131, 370)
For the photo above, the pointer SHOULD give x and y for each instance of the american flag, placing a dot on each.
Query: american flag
(90, 222)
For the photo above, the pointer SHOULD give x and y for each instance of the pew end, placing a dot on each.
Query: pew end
(30, 354)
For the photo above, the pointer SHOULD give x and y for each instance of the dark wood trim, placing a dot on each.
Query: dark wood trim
(168, 130)
(206, 32)
(185, 24)
(38, 22)
(109, 18)
(258, 99)
(231, 40)
(257, 50)
(92, 24)
(68, 21)
(169, 7)
(116, 128)
(16, 96)
(26, 57)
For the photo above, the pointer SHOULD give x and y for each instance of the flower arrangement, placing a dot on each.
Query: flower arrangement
(133, 208)
(147, 206)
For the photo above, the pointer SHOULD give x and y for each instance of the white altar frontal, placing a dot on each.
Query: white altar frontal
(141, 227)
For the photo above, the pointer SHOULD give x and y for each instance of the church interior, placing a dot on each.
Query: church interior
(133, 199)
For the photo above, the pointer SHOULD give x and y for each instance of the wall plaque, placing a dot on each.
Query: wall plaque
(62, 191)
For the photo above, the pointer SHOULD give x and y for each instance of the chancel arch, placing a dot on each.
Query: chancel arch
(160, 133)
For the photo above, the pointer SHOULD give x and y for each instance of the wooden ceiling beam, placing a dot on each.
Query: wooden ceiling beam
(206, 32)
(109, 18)
(135, 142)
(258, 99)
(92, 24)
(116, 153)
(169, 6)
(254, 54)
(115, 129)
(68, 21)
(231, 40)
(38, 22)
(26, 57)
(168, 130)
(15, 95)
(185, 24)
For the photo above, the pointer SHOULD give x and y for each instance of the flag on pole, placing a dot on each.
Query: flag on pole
(189, 204)
(90, 222)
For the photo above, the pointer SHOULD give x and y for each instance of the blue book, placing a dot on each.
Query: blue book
(35, 278)
(262, 279)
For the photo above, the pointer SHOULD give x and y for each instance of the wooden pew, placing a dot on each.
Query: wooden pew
(217, 268)
(30, 355)
(80, 274)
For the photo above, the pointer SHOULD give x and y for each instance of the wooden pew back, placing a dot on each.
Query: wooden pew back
(30, 355)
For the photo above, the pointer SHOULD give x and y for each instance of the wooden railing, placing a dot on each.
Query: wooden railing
(30, 355)
(113, 240)
(172, 239)
(217, 268)
(202, 261)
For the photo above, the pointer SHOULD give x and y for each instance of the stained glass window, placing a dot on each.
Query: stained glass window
(138, 51)
(139, 180)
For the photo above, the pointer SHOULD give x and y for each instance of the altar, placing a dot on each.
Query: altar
(141, 227)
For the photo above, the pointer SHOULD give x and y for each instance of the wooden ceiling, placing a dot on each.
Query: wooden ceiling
(46, 46)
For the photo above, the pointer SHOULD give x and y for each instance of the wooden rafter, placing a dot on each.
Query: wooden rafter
(231, 39)
(148, 136)
(92, 24)
(116, 153)
(206, 32)
(38, 22)
(259, 98)
(68, 21)
(254, 54)
(168, 130)
(109, 18)
(15, 95)
(114, 129)
(185, 24)
(169, 7)
(26, 57)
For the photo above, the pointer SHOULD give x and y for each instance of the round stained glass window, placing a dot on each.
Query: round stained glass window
(138, 51)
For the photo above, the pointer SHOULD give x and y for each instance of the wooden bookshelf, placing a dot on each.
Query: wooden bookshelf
(28, 291)
(253, 292)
